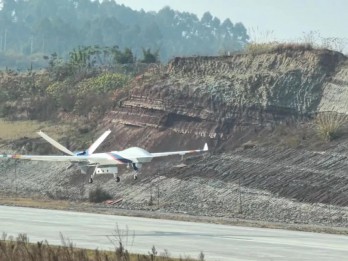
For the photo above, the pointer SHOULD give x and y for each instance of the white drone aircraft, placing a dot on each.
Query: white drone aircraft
(103, 163)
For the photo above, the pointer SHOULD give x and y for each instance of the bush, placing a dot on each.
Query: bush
(328, 124)
(103, 83)
(99, 195)
(124, 58)
(150, 57)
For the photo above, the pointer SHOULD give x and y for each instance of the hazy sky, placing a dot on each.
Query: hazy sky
(277, 19)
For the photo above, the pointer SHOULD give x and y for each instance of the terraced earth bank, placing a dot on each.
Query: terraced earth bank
(257, 113)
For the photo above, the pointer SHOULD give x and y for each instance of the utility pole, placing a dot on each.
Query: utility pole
(151, 197)
(158, 195)
(240, 198)
(329, 197)
(16, 177)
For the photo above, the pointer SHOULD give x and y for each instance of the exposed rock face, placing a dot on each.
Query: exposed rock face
(335, 92)
(211, 97)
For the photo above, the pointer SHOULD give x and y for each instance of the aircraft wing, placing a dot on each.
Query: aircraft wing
(163, 154)
(48, 158)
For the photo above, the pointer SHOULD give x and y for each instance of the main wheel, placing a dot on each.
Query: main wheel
(118, 179)
(90, 180)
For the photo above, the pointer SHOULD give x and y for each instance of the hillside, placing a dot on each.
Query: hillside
(256, 111)
(219, 97)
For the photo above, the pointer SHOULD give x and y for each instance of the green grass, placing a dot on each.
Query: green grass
(10, 130)
(16, 129)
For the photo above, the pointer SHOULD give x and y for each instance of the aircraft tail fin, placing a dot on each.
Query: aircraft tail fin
(55, 143)
(96, 144)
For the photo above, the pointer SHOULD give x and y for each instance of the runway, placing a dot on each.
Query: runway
(218, 242)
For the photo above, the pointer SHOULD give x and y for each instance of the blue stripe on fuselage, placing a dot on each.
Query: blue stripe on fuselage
(120, 158)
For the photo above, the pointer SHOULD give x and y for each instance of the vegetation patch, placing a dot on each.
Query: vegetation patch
(328, 124)
(98, 195)
(270, 47)
(36, 203)
(103, 83)
(19, 248)
(10, 130)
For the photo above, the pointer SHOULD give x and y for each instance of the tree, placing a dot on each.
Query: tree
(151, 35)
(207, 19)
(241, 33)
(124, 57)
(149, 57)
(33, 27)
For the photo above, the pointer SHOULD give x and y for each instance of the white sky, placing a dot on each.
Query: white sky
(279, 19)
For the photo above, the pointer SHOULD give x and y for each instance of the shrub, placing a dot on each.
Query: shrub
(103, 83)
(99, 195)
(125, 57)
(150, 57)
(328, 124)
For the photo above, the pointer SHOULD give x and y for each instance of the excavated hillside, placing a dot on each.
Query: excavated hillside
(214, 98)
(256, 111)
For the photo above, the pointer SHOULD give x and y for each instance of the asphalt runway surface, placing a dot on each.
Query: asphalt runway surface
(139, 235)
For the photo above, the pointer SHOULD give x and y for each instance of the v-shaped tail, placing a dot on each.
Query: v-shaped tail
(96, 144)
(55, 143)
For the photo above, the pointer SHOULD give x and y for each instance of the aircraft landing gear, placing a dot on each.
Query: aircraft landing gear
(117, 178)
(136, 167)
(90, 181)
